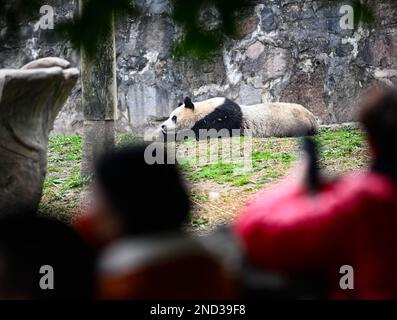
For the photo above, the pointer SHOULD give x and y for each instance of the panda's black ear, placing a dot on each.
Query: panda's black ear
(188, 103)
(180, 104)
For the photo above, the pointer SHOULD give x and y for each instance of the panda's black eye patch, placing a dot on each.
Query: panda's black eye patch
(174, 118)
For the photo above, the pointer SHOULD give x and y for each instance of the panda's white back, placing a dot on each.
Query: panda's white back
(207, 106)
(277, 119)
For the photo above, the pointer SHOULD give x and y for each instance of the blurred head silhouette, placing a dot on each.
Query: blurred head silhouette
(28, 246)
(379, 118)
(134, 198)
(141, 209)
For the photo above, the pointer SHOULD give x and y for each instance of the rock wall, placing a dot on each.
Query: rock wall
(286, 50)
(31, 43)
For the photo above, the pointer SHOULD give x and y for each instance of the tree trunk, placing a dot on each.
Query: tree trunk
(99, 89)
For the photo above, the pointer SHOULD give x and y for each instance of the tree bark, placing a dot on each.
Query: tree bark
(99, 89)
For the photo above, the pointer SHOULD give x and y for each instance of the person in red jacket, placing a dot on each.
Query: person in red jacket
(351, 221)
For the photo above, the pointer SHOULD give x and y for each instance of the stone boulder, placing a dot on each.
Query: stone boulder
(30, 99)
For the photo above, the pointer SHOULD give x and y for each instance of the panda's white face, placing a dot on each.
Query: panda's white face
(181, 118)
(187, 114)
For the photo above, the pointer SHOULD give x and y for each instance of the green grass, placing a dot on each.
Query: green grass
(340, 143)
(221, 172)
(198, 222)
(341, 150)
(63, 183)
(124, 139)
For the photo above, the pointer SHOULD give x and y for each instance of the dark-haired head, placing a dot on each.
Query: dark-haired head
(141, 198)
(379, 118)
(29, 245)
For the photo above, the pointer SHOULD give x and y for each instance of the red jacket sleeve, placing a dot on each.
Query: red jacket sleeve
(289, 231)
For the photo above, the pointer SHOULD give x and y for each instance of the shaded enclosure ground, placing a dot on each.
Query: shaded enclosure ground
(218, 191)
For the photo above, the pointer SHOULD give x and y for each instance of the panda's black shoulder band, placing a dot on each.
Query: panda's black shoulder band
(188, 103)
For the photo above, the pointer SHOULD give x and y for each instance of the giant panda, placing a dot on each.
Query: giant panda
(264, 120)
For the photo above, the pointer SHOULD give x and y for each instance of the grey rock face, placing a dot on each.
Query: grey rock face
(285, 50)
(30, 100)
(249, 95)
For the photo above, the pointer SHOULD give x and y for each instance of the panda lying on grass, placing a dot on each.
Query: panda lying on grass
(264, 120)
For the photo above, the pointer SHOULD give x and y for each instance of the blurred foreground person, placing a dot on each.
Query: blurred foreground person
(138, 215)
(352, 221)
(42, 258)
